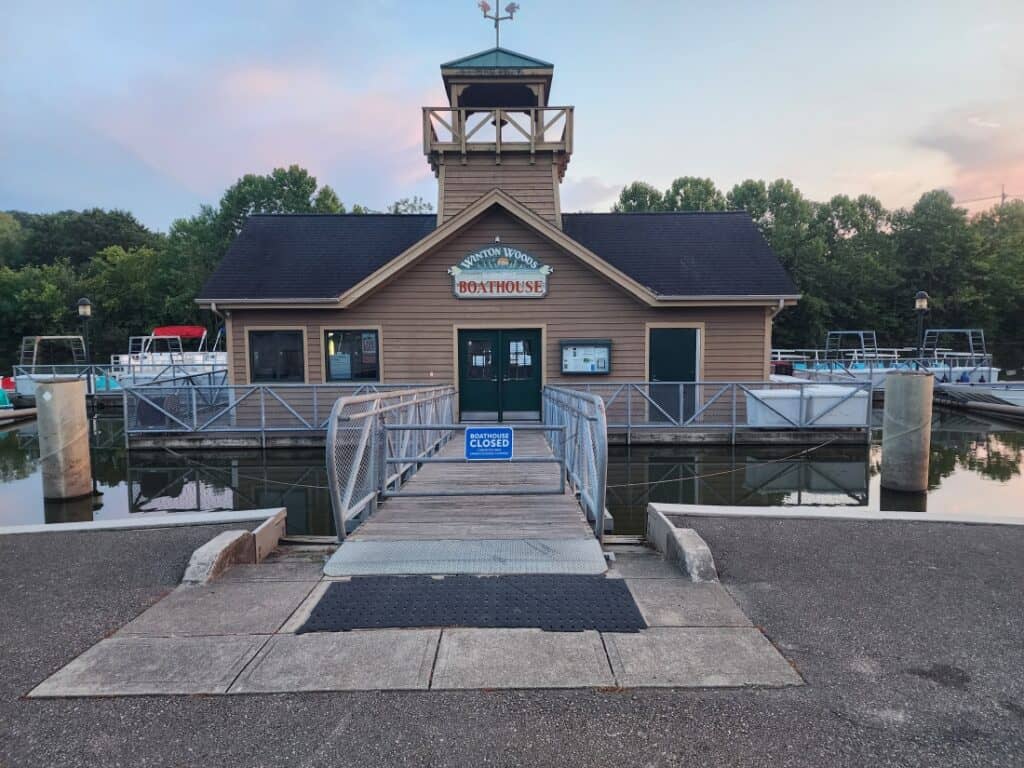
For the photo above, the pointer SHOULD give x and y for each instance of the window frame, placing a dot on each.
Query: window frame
(325, 371)
(249, 330)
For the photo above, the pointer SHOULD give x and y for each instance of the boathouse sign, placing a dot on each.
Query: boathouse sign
(499, 272)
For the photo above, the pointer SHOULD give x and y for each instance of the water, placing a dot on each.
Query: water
(975, 469)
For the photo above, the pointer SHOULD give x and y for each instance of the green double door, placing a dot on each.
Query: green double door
(500, 375)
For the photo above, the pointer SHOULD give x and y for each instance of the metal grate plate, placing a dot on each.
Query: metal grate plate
(554, 603)
(485, 556)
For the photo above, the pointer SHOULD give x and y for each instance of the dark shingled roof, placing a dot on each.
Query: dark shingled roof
(295, 256)
(672, 254)
(684, 254)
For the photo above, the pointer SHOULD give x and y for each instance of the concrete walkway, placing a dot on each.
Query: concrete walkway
(236, 636)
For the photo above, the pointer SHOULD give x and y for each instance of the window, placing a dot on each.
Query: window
(276, 356)
(352, 355)
(481, 363)
(520, 360)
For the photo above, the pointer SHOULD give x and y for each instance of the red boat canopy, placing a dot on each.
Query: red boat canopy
(183, 331)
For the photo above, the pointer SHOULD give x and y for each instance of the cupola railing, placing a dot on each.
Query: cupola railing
(471, 129)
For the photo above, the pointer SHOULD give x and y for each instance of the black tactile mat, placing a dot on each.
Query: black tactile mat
(555, 603)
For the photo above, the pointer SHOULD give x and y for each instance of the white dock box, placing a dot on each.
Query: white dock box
(851, 412)
(785, 402)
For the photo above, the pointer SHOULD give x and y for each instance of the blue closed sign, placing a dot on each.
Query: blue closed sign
(488, 443)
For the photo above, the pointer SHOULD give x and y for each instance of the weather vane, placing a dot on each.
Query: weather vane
(510, 9)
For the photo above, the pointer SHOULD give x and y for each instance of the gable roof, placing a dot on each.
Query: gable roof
(685, 254)
(311, 256)
(660, 258)
(497, 58)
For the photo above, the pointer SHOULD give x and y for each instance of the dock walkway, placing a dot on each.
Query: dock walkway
(538, 531)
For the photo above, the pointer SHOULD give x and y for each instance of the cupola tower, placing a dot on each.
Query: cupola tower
(498, 130)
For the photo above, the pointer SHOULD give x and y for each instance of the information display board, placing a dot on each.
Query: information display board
(587, 357)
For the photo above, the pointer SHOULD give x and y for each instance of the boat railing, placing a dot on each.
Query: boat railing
(730, 406)
(103, 379)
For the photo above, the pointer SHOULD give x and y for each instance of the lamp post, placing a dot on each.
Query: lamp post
(85, 312)
(921, 307)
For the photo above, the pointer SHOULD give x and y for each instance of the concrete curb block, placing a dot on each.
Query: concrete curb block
(811, 512)
(268, 533)
(683, 546)
(218, 554)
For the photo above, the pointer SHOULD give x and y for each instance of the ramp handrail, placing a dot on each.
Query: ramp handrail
(363, 430)
(582, 443)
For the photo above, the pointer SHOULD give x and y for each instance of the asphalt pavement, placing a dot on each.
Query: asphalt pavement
(910, 638)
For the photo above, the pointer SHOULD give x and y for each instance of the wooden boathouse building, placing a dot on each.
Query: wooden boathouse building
(500, 291)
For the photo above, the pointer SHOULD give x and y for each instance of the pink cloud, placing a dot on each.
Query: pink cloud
(205, 131)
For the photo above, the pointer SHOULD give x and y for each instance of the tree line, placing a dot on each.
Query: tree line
(858, 265)
(136, 278)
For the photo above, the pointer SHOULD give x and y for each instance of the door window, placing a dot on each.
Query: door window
(480, 362)
(520, 360)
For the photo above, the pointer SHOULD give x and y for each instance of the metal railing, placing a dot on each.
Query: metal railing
(731, 405)
(105, 379)
(365, 431)
(951, 368)
(577, 431)
(240, 408)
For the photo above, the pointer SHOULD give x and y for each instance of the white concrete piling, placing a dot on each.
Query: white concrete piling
(906, 431)
(64, 439)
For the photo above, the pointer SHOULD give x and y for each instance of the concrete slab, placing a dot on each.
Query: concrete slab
(284, 570)
(133, 666)
(520, 658)
(642, 565)
(221, 608)
(697, 657)
(679, 602)
(343, 661)
(299, 616)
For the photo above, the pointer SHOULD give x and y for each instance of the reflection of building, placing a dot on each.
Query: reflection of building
(721, 476)
(294, 479)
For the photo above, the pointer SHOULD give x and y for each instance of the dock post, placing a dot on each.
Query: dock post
(64, 439)
(906, 431)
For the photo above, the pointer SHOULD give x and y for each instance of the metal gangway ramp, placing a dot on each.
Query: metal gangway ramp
(405, 501)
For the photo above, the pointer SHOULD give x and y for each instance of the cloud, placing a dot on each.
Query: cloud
(206, 130)
(984, 145)
(588, 193)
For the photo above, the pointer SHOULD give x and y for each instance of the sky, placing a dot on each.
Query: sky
(157, 107)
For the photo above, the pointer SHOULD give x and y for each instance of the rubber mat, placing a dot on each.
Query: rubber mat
(555, 603)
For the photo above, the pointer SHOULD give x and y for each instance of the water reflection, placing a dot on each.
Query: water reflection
(975, 469)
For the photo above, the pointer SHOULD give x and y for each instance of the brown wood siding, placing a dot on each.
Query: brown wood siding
(417, 311)
(532, 184)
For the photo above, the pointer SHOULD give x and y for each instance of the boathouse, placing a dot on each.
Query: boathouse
(500, 291)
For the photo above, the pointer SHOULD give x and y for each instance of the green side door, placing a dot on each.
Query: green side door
(499, 375)
(672, 358)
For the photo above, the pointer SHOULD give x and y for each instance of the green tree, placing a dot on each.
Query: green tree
(326, 201)
(12, 240)
(690, 193)
(638, 197)
(77, 236)
(410, 205)
(750, 196)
